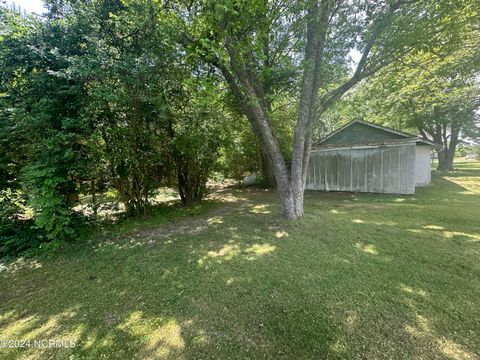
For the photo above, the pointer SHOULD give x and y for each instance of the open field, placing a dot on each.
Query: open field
(361, 276)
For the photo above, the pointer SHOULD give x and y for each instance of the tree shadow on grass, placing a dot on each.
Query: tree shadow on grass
(206, 294)
(249, 285)
(433, 247)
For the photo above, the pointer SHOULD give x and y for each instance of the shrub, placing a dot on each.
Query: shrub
(17, 234)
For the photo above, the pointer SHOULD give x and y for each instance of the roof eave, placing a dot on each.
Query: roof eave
(393, 131)
(398, 142)
(421, 141)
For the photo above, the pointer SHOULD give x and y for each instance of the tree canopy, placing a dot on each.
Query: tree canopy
(434, 91)
(131, 95)
(261, 46)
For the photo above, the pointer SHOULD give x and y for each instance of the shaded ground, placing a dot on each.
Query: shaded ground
(361, 276)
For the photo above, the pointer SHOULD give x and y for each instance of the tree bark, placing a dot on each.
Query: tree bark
(250, 95)
(250, 99)
(445, 160)
(268, 175)
(316, 33)
(447, 154)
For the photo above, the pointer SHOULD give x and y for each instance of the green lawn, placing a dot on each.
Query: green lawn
(360, 276)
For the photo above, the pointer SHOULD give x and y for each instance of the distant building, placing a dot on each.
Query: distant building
(366, 157)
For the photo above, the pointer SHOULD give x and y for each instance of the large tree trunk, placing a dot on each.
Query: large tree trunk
(306, 115)
(277, 161)
(445, 160)
(447, 154)
(251, 96)
(266, 169)
(448, 139)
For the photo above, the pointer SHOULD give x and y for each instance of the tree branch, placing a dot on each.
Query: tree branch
(362, 71)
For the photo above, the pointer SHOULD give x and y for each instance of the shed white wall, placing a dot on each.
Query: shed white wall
(379, 169)
(423, 173)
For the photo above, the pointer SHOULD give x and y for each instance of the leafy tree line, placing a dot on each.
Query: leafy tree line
(137, 94)
(100, 95)
(433, 91)
(269, 51)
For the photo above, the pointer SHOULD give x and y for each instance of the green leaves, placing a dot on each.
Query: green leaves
(432, 89)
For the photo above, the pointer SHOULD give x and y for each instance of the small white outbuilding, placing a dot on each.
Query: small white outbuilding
(366, 157)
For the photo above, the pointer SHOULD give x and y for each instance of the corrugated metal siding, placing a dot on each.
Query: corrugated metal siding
(379, 170)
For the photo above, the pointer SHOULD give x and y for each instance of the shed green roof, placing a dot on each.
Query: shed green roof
(359, 132)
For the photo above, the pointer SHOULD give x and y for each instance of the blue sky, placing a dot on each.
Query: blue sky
(29, 5)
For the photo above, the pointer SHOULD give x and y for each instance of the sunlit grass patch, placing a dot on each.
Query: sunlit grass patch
(360, 276)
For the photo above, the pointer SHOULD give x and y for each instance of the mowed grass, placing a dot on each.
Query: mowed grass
(361, 276)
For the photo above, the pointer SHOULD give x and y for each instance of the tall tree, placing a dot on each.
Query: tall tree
(259, 46)
(41, 106)
(434, 91)
(98, 94)
(441, 106)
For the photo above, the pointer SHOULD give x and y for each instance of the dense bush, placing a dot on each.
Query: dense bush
(99, 96)
(196, 137)
(16, 234)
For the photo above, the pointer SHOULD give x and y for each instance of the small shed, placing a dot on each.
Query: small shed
(366, 157)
